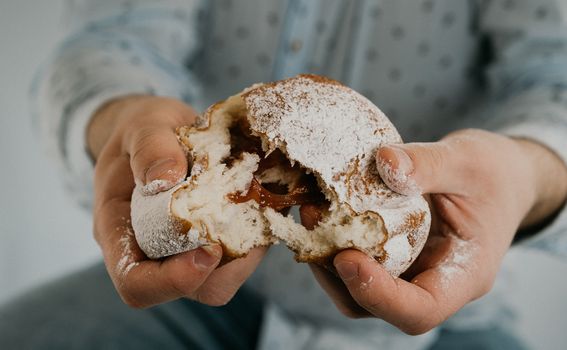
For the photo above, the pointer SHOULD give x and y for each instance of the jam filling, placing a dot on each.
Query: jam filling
(302, 194)
(273, 195)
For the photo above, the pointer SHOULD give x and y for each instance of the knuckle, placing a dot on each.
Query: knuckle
(425, 323)
(150, 144)
(376, 305)
(143, 139)
(469, 144)
(418, 329)
(97, 235)
(218, 302)
(212, 298)
(418, 326)
(485, 288)
(132, 303)
(349, 312)
(192, 288)
(144, 156)
(436, 158)
(182, 286)
(130, 300)
(467, 134)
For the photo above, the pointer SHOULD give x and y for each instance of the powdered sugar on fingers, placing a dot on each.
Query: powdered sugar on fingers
(459, 259)
(397, 180)
(127, 260)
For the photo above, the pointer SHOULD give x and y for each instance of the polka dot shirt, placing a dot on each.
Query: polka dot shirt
(431, 65)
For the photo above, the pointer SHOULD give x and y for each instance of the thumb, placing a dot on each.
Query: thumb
(417, 168)
(157, 159)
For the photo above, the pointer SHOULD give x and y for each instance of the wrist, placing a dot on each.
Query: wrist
(549, 176)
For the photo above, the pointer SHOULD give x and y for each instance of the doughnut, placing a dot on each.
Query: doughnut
(306, 141)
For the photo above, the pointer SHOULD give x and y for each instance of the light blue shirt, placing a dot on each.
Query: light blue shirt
(431, 65)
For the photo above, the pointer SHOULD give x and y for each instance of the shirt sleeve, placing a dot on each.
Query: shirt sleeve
(528, 85)
(115, 48)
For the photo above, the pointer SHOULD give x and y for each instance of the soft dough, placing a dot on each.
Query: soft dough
(306, 136)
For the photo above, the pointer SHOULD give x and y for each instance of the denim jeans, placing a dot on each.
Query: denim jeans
(83, 311)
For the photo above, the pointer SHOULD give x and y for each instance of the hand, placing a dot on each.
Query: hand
(482, 187)
(133, 138)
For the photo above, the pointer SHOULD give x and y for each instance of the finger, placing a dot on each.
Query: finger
(157, 160)
(142, 282)
(155, 282)
(113, 179)
(310, 215)
(415, 168)
(223, 283)
(139, 281)
(338, 293)
(414, 307)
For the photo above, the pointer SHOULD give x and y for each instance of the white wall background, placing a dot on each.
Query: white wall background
(42, 232)
(44, 235)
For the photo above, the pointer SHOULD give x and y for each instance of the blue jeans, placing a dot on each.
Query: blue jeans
(83, 311)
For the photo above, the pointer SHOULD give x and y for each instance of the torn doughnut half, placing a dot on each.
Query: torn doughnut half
(306, 140)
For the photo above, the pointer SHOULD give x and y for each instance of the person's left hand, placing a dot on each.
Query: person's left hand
(483, 187)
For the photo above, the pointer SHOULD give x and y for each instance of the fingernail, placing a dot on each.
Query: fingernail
(156, 187)
(347, 270)
(205, 257)
(405, 164)
(159, 168)
(400, 178)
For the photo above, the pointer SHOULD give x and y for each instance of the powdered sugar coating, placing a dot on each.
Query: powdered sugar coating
(458, 261)
(335, 132)
(156, 186)
(398, 250)
(158, 232)
(197, 211)
(327, 128)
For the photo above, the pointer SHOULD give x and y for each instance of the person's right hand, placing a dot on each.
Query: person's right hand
(133, 139)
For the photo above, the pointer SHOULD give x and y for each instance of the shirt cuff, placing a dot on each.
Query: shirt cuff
(91, 70)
